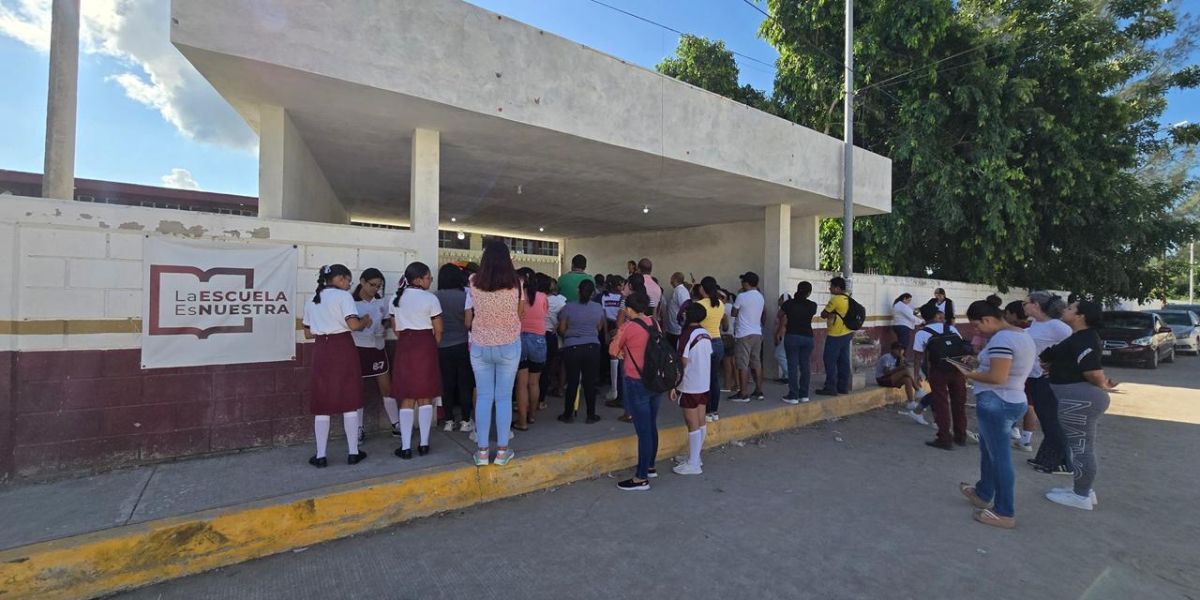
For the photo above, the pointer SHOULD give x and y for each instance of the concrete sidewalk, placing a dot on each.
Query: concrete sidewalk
(131, 527)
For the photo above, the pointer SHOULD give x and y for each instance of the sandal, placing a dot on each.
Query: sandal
(518, 428)
(968, 491)
(987, 517)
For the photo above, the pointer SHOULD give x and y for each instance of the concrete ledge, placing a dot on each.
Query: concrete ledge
(136, 555)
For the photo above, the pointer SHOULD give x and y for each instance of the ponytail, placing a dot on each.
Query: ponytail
(321, 285)
(709, 285)
(528, 283)
(413, 272)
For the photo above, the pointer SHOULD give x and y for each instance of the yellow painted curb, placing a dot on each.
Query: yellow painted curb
(136, 555)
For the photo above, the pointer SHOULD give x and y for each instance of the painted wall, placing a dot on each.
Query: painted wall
(291, 184)
(72, 393)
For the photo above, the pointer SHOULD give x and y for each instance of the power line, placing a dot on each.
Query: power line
(676, 31)
(771, 17)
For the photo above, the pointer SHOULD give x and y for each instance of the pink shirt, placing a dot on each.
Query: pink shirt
(534, 320)
(631, 340)
(496, 320)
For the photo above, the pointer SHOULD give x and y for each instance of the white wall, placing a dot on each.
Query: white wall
(291, 184)
(723, 251)
(75, 278)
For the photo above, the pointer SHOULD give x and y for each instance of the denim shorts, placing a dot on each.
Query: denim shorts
(533, 351)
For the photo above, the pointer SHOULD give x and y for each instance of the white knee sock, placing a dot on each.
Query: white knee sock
(406, 419)
(393, 412)
(361, 420)
(321, 425)
(612, 373)
(695, 443)
(350, 424)
(425, 420)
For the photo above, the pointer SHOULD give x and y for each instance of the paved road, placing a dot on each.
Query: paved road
(858, 508)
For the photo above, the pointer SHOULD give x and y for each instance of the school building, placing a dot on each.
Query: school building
(425, 119)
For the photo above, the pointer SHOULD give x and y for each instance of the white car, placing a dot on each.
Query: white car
(1185, 324)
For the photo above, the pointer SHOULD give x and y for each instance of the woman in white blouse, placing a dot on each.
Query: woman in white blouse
(904, 320)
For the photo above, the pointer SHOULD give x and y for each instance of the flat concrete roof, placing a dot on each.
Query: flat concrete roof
(536, 130)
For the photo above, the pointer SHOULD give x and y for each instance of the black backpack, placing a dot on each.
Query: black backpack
(662, 367)
(946, 344)
(855, 316)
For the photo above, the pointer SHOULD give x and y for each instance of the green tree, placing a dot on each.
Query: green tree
(1017, 129)
(708, 64)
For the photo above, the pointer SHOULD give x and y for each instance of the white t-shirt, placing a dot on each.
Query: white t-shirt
(1018, 346)
(696, 375)
(886, 363)
(556, 303)
(749, 305)
(416, 311)
(329, 317)
(678, 296)
(922, 337)
(612, 302)
(902, 316)
(373, 336)
(1045, 334)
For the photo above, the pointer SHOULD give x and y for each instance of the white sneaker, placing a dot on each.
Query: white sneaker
(974, 437)
(1071, 490)
(466, 426)
(911, 406)
(686, 469)
(709, 418)
(787, 400)
(918, 417)
(1015, 433)
(805, 400)
(1071, 499)
(1022, 447)
(611, 395)
(449, 426)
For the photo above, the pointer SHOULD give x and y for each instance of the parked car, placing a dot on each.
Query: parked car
(1186, 325)
(1138, 337)
(1192, 307)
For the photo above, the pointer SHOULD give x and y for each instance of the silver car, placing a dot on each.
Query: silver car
(1185, 324)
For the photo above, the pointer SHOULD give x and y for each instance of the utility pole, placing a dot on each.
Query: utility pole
(848, 159)
(1192, 273)
(58, 172)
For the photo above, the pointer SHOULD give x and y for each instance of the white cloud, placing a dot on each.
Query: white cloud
(155, 74)
(180, 179)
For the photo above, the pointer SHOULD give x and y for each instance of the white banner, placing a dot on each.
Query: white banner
(217, 304)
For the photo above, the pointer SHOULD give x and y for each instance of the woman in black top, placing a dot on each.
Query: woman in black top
(794, 330)
(1082, 389)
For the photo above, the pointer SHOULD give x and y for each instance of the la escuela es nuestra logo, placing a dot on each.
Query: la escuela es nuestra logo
(225, 301)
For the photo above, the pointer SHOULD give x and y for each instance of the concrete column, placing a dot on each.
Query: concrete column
(806, 243)
(476, 241)
(291, 184)
(774, 280)
(58, 179)
(423, 194)
(270, 162)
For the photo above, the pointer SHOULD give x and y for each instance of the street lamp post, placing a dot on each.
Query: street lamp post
(848, 158)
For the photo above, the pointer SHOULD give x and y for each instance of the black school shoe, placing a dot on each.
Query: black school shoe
(825, 392)
(629, 485)
(354, 459)
(406, 454)
(319, 463)
(592, 419)
(422, 450)
(940, 444)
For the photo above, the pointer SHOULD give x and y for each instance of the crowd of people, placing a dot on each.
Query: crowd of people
(493, 340)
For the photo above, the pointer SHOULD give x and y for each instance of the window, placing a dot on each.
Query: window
(449, 239)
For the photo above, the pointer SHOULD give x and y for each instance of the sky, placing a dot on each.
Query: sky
(146, 116)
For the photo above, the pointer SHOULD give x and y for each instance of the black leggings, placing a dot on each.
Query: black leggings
(581, 362)
(551, 368)
(1053, 452)
(458, 381)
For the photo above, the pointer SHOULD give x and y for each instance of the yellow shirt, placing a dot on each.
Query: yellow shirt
(839, 304)
(712, 319)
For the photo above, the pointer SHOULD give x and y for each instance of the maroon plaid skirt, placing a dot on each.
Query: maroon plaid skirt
(336, 375)
(415, 372)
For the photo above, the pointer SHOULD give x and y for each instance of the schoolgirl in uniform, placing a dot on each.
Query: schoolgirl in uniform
(417, 317)
(368, 298)
(329, 318)
(695, 346)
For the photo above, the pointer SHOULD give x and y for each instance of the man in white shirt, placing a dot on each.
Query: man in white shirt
(679, 295)
(748, 310)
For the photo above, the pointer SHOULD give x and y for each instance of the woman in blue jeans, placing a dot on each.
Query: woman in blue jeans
(630, 344)
(794, 330)
(1004, 364)
(496, 307)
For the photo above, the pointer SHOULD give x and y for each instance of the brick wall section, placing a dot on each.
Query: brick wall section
(95, 409)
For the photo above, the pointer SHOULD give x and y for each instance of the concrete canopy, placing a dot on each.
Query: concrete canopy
(536, 131)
